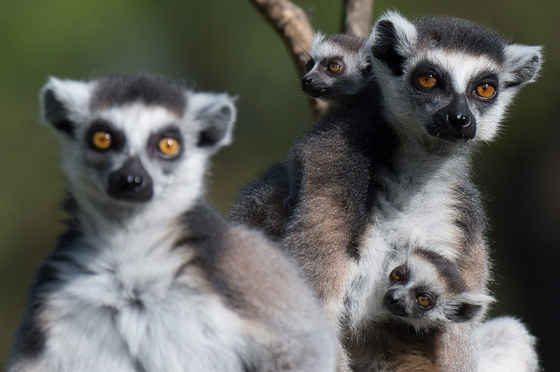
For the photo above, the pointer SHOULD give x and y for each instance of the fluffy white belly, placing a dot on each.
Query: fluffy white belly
(425, 220)
(98, 324)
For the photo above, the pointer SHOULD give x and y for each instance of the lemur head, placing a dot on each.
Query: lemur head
(339, 67)
(447, 77)
(428, 291)
(130, 141)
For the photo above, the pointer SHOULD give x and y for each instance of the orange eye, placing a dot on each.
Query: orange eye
(168, 147)
(423, 300)
(485, 90)
(334, 67)
(395, 275)
(427, 81)
(102, 140)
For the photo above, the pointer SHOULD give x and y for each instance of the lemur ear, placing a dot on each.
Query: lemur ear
(469, 307)
(212, 116)
(392, 40)
(63, 103)
(523, 63)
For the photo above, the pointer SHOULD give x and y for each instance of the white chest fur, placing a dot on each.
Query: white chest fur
(124, 310)
(416, 210)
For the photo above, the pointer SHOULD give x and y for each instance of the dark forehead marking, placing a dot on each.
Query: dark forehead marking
(119, 90)
(349, 43)
(447, 270)
(460, 35)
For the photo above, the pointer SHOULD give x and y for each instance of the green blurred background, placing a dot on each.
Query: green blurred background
(224, 45)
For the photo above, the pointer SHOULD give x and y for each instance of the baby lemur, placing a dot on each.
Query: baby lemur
(338, 68)
(392, 169)
(421, 297)
(147, 277)
(424, 295)
(427, 291)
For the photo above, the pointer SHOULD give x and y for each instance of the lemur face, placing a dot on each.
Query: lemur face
(448, 78)
(135, 139)
(428, 291)
(338, 67)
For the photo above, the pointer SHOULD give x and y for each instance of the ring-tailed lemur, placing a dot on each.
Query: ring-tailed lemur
(338, 68)
(427, 291)
(147, 277)
(424, 294)
(392, 169)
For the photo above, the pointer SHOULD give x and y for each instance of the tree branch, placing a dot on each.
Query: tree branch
(295, 30)
(356, 17)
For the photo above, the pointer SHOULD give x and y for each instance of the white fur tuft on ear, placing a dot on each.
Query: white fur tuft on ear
(64, 102)
(392, 40)
(523, 63)
(212, 116)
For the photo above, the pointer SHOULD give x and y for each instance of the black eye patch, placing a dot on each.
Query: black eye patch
(170, 131)
(116, 139)
(427, 68)
(309, 65)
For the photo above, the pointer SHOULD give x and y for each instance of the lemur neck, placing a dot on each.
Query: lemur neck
(421, 158)
(111, 217)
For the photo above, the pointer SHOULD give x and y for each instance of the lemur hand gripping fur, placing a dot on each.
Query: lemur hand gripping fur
(147, 277)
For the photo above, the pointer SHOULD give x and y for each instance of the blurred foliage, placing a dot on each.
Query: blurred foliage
(224, 45)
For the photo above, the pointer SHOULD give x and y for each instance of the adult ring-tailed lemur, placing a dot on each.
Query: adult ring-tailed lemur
(147, 277)
(390, 170)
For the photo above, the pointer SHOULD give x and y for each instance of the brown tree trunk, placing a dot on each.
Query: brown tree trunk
(356, 17)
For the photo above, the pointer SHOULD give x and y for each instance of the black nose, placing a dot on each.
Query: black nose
(459, 120)
(390, 298)
(394, 304)
(131, 182)
(306, 81)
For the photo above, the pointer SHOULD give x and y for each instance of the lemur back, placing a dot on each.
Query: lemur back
(148, 277)
(392, 170)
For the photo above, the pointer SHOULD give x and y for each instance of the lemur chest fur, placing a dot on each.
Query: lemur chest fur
(414, 205)
(134, 297)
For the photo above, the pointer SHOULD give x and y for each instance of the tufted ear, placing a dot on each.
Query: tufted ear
(64, 102)
(522, 63)
(212, 116)
(392, 40)
(468, 306)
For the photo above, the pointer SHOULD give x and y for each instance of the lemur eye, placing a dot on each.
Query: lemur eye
(427, 81)
(395, 275)
(102, 140)
(424, 300)
(485, 90)
(334, 67)
(169, 147)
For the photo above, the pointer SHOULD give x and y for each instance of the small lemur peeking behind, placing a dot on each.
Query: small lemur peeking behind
(390, 170)
(147, 277)
(338, 68)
